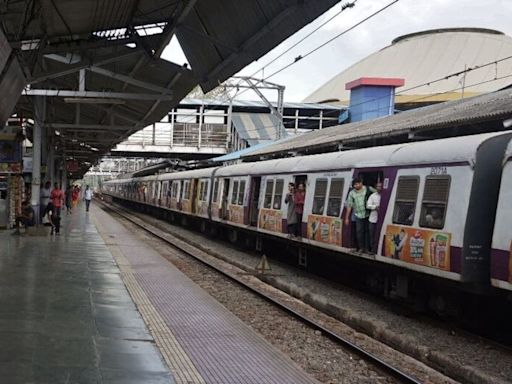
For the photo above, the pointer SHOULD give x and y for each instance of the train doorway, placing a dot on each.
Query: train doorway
(371, 178)
(224, 200)
(194, 195)
(255, 198)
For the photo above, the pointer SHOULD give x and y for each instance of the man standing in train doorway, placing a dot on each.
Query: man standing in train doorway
(357, 201)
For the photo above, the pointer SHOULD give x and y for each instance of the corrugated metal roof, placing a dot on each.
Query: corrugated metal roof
(424, 57)
(256, 127)
(239, 32)
(493, 106)
(255, 104)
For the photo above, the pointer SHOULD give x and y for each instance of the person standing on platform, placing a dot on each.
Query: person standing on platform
(299, 198)
(45, 198)
(69, 198)
(75, 196)
(57, 197)
(373, 205)
(27, 217)
(87, 197)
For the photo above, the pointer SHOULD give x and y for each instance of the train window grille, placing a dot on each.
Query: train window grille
(267, 203)
(335, 197)
(202, 191)
(319, 196)
(435, 201)
(241, 192)
(278, 193)
(234, 195)
(405, 201)
(205, 191)
(186, 190)
(215, 196)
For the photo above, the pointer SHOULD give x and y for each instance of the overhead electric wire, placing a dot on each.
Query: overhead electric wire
(343, 8)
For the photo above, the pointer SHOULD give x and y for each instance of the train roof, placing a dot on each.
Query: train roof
(457, 149)
(194, 174)
(440, 151)
(508, 151)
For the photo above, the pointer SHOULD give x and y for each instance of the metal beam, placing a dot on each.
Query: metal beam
(170, 28)
(106, 95)
(77, 66)
(88, 127)
(130, 80)
(286, 13)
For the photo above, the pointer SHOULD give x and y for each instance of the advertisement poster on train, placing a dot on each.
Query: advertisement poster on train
(186, 206)
(418, 246)
(215, 210)
(325, 229)
(202, 208)
(236, 214)
(270, 220)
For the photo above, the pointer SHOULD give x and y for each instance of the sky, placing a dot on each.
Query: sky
(405, 16)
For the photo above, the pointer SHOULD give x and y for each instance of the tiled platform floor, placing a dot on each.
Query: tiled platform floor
(221, 347)
(65, 314)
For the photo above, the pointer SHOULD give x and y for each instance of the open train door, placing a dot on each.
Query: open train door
(254, 199)
(224, 199)
(195, 195)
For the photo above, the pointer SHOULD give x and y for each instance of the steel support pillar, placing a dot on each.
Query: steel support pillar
(40, 111)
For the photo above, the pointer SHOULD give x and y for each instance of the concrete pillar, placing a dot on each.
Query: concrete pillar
(51, 173)
(40, 111)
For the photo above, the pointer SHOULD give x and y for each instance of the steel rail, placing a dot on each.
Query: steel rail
(368, 356)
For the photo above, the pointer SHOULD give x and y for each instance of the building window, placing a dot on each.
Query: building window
(405, 201)
(435, 200)
(278, 194)
(335, 198)
(319, 196)
(267, 203)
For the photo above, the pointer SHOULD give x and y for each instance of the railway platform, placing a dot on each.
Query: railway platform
(93, 305)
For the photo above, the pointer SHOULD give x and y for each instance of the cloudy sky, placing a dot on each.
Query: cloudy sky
(404, 17)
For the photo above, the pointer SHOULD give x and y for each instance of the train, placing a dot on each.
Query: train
(467, 180)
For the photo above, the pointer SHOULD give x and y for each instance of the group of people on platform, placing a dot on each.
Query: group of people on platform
(52, 201)
(362, 213)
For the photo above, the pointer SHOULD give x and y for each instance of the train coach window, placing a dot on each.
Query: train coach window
(335, 196)
(215, 196)
(435, 199)
(234, 195)
(205, 190)
(186, 190)
(319, 197)
(241, 192)
(278, 193)
(405, 201)
(267, 203)
(200, 191)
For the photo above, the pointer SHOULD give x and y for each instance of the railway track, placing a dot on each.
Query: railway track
(175, 242)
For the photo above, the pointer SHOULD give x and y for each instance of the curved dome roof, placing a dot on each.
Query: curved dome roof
(427, 56)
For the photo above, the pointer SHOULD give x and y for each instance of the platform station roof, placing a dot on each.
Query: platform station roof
(98, 62)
